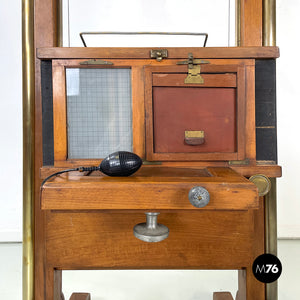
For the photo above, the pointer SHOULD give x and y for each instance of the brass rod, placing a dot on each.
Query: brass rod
(269, 22)
(271, 219)
(269, 39)
(28, 147)
(59, 30)
(271, 234)
(238, 23)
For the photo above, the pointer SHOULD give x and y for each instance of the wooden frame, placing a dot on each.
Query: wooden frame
(58, 214)
(59, 111)
(60, 114)
(127, 58)
(211, 75)
(41, 29)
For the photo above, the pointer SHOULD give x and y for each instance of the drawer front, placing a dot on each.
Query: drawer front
(196, 240)
(151, 188)
(177, 110)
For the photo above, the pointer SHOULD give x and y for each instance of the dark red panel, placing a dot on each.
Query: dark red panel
(177, 109)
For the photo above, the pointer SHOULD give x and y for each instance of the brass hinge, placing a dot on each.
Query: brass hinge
(239, 162)
(194, 69)
(96, 62)
(159, 54)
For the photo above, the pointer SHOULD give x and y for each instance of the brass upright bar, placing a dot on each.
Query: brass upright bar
(238, 23)
(269, 39)
(59, 24)
(269, 22)
(28, 148)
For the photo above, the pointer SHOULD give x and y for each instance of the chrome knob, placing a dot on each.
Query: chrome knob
(199, 196)
(151, 231)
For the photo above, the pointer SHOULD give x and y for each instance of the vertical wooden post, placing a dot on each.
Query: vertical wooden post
(250, 21)
(46, 34)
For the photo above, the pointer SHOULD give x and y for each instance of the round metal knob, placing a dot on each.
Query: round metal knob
(262, 183)
(151, 231)
(199, 196)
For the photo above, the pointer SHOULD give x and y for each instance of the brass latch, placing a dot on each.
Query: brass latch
(194, 69)
(159, 54)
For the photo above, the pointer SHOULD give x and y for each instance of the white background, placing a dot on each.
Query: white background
(10, 121)
(288, 66)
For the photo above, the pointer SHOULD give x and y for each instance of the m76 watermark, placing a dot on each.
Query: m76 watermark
(267, 268)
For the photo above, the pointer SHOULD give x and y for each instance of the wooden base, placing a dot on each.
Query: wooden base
(222, 296)
(80, 296)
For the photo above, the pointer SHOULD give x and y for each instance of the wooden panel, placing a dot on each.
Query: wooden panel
(45, 29)
(244, 170)
(207, 52)
(150, 189)
(250, 150)
(210, 80)
(248, 286)
(241, 112)
(212, 110)
(251, 22)
(59, 112)
(106, 240)
(138, 111)
(238, 140)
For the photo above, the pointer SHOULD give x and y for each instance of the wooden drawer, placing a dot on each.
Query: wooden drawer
(204, 240)
(151, 188)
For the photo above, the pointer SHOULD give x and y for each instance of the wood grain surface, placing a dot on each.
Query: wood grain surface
(150, 191)
(207, 52)
(94, 240)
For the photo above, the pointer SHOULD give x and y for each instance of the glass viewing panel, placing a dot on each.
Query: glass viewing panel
(99, 112)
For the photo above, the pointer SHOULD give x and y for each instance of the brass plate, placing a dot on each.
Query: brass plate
(194, 134)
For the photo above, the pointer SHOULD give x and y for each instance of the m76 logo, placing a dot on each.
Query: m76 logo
(267, 269)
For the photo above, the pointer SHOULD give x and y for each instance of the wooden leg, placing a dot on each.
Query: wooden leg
(249, 287)
(80, 296)
(53, 284)
(222, 296)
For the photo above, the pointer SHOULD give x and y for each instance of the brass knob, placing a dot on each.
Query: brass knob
(262, 183)
(199, 196)
(151, 231)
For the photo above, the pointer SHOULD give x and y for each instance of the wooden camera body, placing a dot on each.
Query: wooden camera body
(202, 119)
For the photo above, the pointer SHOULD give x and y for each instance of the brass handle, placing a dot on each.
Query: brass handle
(194, 138)
(151, 231)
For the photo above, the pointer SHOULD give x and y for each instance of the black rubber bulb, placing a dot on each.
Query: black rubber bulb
(121, 163)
